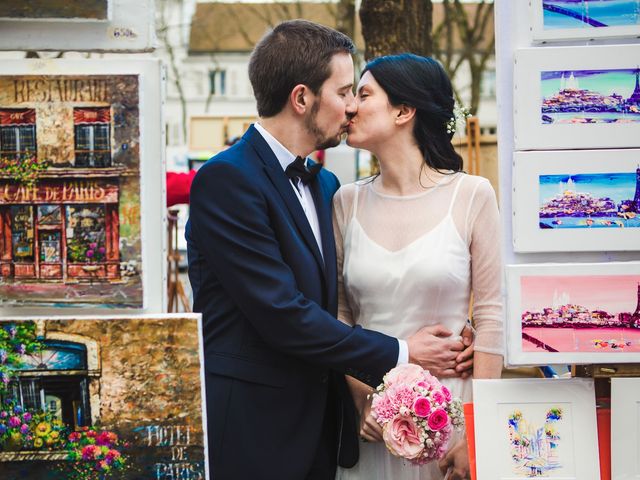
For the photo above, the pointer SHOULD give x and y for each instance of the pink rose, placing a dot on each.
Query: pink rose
(421, 407)
(447, 393)
(438, 397)
(438, 419)
(402, 438)
(406, 374)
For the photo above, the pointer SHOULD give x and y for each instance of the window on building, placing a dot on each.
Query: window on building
(218, 82)
(17, 131)
(55, 380)
(22, 233)
(86, 234)
(92, 137)
(488, 86)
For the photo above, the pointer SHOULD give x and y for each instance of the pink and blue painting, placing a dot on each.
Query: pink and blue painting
(563, 14)
(597, 200)
(590, 96)
(534, 443)
(580, 313)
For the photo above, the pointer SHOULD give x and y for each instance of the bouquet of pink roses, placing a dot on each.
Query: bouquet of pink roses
(417, 414)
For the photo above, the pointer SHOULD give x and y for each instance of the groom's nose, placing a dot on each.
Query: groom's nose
(351, 107)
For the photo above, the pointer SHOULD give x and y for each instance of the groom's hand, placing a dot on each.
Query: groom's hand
(433, 350)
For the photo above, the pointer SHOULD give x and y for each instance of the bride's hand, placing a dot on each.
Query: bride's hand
(434, 349)
(456, 462)
(370, 430)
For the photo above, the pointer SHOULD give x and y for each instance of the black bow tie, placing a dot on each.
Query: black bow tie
(298, 169)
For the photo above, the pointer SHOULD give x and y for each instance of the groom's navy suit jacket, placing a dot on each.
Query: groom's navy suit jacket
(274, 353)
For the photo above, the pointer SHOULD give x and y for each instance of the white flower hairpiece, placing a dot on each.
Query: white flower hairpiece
(460, 115)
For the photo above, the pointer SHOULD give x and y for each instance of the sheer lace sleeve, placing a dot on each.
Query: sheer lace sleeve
(483, 222)
(342, 212)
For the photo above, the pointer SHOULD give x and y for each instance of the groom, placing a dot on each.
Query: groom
(262, 265)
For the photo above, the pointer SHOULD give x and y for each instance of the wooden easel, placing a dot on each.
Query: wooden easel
(175, 288)
(473, 145)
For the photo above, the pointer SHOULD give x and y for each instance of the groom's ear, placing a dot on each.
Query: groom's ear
(299, 98)
(405, 114)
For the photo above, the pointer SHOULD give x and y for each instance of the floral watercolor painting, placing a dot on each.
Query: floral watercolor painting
(590, 96)
(70, 224)
(534, 447)
(564, 14)
(601, 200)
(102, 398)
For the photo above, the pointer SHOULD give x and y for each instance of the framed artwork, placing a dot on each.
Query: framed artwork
(584, 19)
(573, 313)
(577, 97)
(78, 25)
(103, 397)
(81, 175)
(536, 428)
(625, 428)
(579, 200)
(62, 10)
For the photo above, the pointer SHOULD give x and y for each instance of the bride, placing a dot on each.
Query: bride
(415, 242)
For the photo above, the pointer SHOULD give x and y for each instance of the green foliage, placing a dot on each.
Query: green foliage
(23, 168)
(16, 340)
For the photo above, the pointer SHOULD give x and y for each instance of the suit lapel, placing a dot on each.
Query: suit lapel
(324, 218)
(277, 176)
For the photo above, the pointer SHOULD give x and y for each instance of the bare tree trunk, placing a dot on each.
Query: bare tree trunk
(346, 17)
(474, 51)
(162, 29)
(396, 26)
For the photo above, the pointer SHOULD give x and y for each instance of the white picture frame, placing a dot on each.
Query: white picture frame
(151, 168)
(541, 33)
(604, 295)
(538, 181)
(568, 129)
(572, 423)
(129, 27)
(625, 428)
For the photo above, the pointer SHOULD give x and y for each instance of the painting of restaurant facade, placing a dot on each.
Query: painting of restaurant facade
(101, 398)
(70, 190)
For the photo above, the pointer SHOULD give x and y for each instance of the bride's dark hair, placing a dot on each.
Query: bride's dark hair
(422, 83)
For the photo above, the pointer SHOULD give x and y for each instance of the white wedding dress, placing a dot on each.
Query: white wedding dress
(406, 262)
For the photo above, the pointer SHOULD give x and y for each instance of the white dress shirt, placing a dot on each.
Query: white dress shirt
(303, 194)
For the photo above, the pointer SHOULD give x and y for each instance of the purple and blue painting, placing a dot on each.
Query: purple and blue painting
(597, 200)
(534, 448)
(590, 96)
(562, 14)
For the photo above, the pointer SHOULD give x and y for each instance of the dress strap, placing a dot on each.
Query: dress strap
(455, 193)
(355, 200)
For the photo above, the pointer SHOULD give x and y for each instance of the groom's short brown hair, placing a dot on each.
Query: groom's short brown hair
(294, 52)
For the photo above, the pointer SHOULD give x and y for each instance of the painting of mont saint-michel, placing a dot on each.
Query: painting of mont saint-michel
(565, 14)
(580, 313)
(590, 96)
(70, 232)
(590, 200)
(102, 398)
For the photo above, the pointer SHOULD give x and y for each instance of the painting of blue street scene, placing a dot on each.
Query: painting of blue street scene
(591, 96)
(561, 14)
(599, 200)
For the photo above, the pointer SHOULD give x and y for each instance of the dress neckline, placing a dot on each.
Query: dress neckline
(445, 180)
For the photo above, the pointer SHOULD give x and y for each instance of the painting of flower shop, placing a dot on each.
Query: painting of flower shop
(98, 399)
(70, 190)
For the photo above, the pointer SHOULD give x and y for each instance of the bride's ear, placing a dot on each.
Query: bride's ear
(405, 114)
